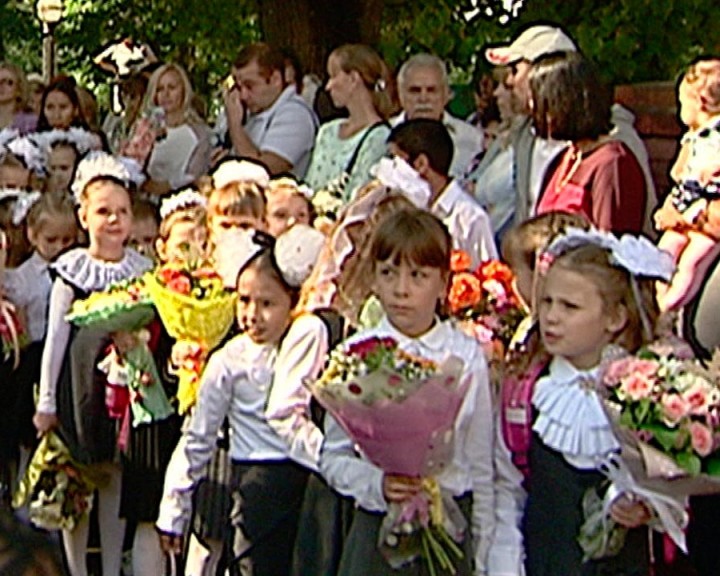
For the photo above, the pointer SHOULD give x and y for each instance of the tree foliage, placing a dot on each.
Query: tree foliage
(630, 40)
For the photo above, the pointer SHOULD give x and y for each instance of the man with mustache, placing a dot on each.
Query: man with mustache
(424, 92)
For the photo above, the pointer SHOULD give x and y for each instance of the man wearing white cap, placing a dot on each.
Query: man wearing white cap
(533, 155)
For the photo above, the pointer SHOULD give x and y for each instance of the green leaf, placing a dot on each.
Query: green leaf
(666, 437)
(712, 466)
(689, 462)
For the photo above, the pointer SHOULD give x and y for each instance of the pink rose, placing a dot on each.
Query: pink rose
(617, 370)
(701, 438)
(647, 368)
(636, 386)
(697, 399)
(674, 408)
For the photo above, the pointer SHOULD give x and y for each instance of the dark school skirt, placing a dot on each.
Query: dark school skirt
(553, 516)
(150, 447)
(267, 497)
(325, 521)
(361, 555)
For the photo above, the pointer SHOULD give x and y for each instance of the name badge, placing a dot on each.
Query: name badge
(516, 415)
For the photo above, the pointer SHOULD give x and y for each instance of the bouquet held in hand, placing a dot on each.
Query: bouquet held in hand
(198, 312)
(133, 389)
(665, 410)
(400, 411)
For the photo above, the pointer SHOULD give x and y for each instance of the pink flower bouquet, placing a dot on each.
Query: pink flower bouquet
(147, 130)
(665, 411)
(400, 410)
(671, 406)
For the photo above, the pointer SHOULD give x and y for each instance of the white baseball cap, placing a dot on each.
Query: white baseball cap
(533, 43)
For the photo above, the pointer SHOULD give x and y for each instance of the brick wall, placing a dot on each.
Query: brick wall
(655, 107)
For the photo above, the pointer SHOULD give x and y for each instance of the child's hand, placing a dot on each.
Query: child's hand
(630, 513)
(171, 543)
(124, 341)
(400, 488)
(668, 218)
(44, 422)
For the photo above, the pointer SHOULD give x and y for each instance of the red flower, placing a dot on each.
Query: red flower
(180, 284)
(465, 291)
(367, 347)
(459, 261)
(166, 274)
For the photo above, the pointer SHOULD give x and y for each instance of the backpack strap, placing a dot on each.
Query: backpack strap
(516, 415)
(335, 324)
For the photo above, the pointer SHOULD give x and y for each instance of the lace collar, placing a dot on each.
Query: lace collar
(571, 418)
(83, 271)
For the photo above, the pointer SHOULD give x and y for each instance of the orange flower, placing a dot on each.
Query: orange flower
(459, 261)
(496, 270)
(465, 291)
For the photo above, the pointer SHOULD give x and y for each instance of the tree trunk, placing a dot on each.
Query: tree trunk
(313, 28)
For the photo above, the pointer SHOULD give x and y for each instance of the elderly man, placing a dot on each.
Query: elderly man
(424, 92)
(267, 120)
(533, 155)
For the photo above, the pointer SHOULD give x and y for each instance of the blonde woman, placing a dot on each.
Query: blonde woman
(13, 100)
(359, 82)
(183, 154)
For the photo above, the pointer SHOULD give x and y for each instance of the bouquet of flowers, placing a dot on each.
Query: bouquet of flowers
(665, 409)
(58, 489)
(13, 336)
(327, 204)
(400, 410)
(484, 302)
(197, 311)
(133, 386)
(124, 306)
(148, 129)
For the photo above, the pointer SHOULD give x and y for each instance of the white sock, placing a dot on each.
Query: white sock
(112, 527)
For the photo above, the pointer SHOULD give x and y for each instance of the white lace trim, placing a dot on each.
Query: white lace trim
(89, 274)
(571, 417)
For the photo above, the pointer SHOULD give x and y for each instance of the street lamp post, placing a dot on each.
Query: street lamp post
(49, 12)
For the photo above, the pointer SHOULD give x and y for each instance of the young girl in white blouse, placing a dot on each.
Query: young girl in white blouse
(597, 291)
(240, 380)
(71, 389)
(51, 229)
(410, 250)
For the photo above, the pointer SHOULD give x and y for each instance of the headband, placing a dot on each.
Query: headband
(239, 170)
(23, 202)
(180, 201)
(96, 165)
(28, 152)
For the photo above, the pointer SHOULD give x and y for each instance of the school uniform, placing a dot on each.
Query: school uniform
(28, 288)
(536, 530)
(71, 385)
(268, 484)
(468, 477)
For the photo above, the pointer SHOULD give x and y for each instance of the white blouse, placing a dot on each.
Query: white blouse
(241, 381)
(471, 469)
(28, 287)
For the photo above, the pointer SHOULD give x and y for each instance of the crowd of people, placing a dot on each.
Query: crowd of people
(332, 229)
